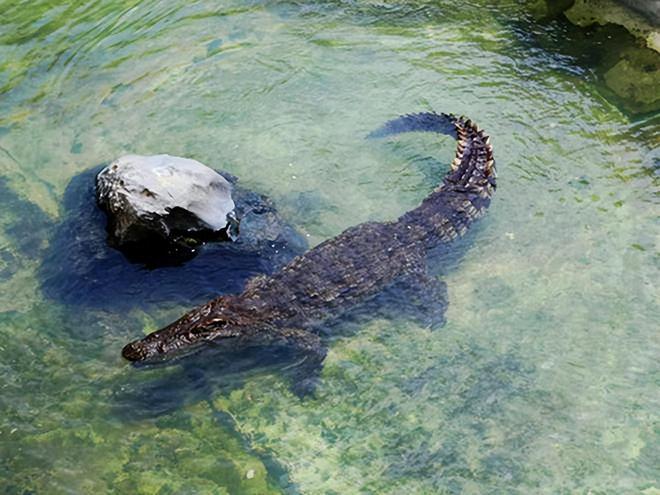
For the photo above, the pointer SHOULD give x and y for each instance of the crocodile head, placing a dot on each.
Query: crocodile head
(211, 323)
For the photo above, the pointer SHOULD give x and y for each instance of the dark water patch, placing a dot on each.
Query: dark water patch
(80, 269)
(76, 147)
(23, 222)
(475, 388)
(607, 55)
(221, 368)
(495, 290)
(9, 264)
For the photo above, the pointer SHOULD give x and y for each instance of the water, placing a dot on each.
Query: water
(544, 378)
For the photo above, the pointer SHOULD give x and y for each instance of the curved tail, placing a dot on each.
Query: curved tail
(473, 165)
(465, 192)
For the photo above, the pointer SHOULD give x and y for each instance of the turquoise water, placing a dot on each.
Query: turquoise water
(544, 378)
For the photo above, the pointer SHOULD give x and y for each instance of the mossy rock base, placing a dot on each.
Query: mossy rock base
(631, 74)
(636, 79)
(618, 44)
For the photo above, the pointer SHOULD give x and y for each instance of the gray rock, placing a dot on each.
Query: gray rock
(80, 268)
(649, 8)
(164, 205)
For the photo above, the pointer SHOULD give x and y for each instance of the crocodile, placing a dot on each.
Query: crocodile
(285, 308)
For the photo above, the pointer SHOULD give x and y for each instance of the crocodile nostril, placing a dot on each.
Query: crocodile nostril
(133, 352)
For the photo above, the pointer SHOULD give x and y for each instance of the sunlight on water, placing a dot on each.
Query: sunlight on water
(544, 378)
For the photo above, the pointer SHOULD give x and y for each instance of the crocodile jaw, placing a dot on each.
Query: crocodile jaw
(173, 341)
(141, 352)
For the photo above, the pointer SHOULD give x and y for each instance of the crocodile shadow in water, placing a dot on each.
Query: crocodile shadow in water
(25, 225)
(80, 269)
(211, 372)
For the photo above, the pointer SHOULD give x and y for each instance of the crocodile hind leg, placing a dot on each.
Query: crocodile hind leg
(416, 296)
(424, 299)
(419, 298)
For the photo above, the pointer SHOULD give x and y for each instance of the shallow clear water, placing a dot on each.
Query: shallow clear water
(544, 378)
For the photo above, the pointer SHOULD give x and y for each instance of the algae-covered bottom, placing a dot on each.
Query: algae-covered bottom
(544, 378)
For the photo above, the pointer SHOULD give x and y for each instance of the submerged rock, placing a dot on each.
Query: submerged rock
(636, 78)
(633, 74)
(164, 205)
(619, 40)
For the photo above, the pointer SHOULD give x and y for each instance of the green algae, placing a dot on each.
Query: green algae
(67, 436)
(636, 78)
(543, 380)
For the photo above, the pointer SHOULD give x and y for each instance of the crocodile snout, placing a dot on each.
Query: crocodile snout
(135, 351)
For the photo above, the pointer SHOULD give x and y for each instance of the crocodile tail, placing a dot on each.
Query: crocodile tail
(473, 166)
(464, 194)
(418, 122)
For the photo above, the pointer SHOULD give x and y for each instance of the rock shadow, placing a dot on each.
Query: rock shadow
(80, 269)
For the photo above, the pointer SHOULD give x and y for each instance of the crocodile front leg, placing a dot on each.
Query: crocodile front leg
(306, 372)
